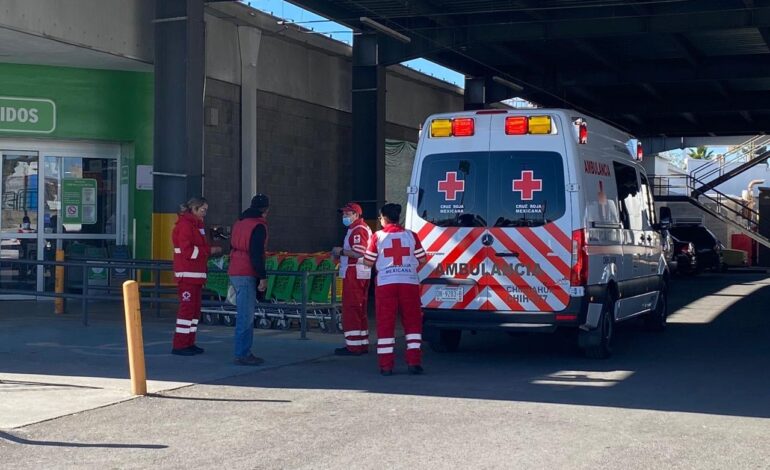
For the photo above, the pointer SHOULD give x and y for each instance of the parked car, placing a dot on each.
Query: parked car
(708, 248)
(683, 258)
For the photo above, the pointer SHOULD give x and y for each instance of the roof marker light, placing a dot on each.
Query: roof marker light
(441, 128)
(516, 125)
(540, 124)
(463, 127)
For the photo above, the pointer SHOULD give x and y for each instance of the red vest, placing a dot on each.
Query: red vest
(191, 250)
(240, 258)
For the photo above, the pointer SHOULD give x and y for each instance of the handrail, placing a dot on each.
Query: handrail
(738, 152)
(156, 291)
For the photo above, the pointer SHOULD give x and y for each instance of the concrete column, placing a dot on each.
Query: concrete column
(179, 89)
(368, 125)
(249, 41)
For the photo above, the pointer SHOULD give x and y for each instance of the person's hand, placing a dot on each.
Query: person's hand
(337, 251)
(262, 287)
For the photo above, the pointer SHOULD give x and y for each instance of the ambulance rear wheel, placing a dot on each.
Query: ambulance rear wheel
(597, 343)
(448, 341)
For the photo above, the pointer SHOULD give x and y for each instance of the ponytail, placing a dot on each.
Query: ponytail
(192, 204)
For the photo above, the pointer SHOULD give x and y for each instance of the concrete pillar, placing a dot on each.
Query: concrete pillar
(368, 125)
(249, 40)
(178, 138)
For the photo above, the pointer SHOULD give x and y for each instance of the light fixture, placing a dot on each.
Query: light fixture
(506, 83)
(384, 29)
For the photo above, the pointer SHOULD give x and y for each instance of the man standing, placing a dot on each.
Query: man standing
(398, 256)
(247, 273)
(355, 281)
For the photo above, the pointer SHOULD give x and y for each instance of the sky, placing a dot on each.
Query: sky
(306, 19)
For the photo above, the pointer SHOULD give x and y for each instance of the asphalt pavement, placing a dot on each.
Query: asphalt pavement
(696, 396)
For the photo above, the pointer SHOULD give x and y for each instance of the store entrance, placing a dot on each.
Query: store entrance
(56, 196)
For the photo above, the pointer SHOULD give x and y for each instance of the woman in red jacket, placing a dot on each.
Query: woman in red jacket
(191, 254)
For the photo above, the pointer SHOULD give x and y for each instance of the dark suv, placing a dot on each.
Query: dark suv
(708, 248)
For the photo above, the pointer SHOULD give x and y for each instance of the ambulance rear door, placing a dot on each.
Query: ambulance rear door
(529, 217)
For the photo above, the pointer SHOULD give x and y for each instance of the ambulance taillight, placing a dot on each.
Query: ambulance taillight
(540, 124)
(639, 152)
(579, 271)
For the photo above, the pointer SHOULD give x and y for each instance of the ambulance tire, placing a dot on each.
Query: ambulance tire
(597, 343)
(656, 319)
(448, 341)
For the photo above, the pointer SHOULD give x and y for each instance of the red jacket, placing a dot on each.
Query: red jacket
(191, 250)
(240, 244)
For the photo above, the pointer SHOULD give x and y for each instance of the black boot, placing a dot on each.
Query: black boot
(416, 370)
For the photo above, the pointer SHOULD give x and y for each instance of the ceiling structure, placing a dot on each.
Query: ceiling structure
(652, 67)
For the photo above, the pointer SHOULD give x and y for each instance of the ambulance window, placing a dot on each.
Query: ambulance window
(526, 188)
(453, 189)
(649, 206)
(629, 196)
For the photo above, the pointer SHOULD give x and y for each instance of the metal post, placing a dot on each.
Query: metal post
(134, 338)
(59, 303)
(84, 302)
(303, 312)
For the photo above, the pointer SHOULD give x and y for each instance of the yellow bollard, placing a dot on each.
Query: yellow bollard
(59, 284)
(134, 338)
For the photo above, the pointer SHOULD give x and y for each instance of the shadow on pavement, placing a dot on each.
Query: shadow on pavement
(19, 440)
(716, 368)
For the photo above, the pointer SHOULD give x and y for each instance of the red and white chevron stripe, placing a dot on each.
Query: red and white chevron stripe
(545, 289)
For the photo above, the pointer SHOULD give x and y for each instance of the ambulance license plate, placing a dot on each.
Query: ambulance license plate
(449, 294)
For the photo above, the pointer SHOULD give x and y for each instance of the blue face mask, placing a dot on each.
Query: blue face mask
(346, 221)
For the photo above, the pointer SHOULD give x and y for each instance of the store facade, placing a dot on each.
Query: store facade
(70, 141)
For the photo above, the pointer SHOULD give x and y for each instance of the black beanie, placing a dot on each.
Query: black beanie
(260, 201)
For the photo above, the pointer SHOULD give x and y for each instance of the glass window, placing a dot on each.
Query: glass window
(19, 185)
(527, 188)
(453, 189)
(649, 217)
(629, 196)
(86, 189)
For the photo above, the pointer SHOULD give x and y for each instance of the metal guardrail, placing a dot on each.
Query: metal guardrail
(157, 291)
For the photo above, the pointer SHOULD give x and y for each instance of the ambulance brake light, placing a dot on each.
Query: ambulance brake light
(639, 151)
(458, 127)
(516, 125)
(462, 127)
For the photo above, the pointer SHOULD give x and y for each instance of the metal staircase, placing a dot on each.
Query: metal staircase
(695, 189)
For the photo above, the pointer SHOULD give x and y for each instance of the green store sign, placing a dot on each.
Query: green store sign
(27, 115)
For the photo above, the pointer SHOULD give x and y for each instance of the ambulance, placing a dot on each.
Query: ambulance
(535, 220)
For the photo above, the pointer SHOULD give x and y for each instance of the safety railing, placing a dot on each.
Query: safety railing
(740, 154)
(156, 294)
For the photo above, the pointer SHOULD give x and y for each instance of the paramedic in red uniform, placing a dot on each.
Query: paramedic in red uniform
(247, 274)
(355, 281)
(191, 254)
(398, 255)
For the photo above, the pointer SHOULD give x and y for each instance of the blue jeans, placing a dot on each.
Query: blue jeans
(245, 302)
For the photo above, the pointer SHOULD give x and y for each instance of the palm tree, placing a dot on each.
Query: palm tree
(700, 153)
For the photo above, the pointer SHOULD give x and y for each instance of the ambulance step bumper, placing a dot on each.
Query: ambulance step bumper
(541, 322)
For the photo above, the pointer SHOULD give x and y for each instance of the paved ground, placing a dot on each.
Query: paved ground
(695, 397)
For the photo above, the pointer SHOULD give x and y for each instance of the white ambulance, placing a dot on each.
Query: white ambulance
(534, 220)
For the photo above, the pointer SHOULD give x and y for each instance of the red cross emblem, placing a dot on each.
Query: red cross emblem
(451, 186)
(527, 185)
(397, 252)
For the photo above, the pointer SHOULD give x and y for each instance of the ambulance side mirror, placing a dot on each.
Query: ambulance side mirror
(664, 218)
